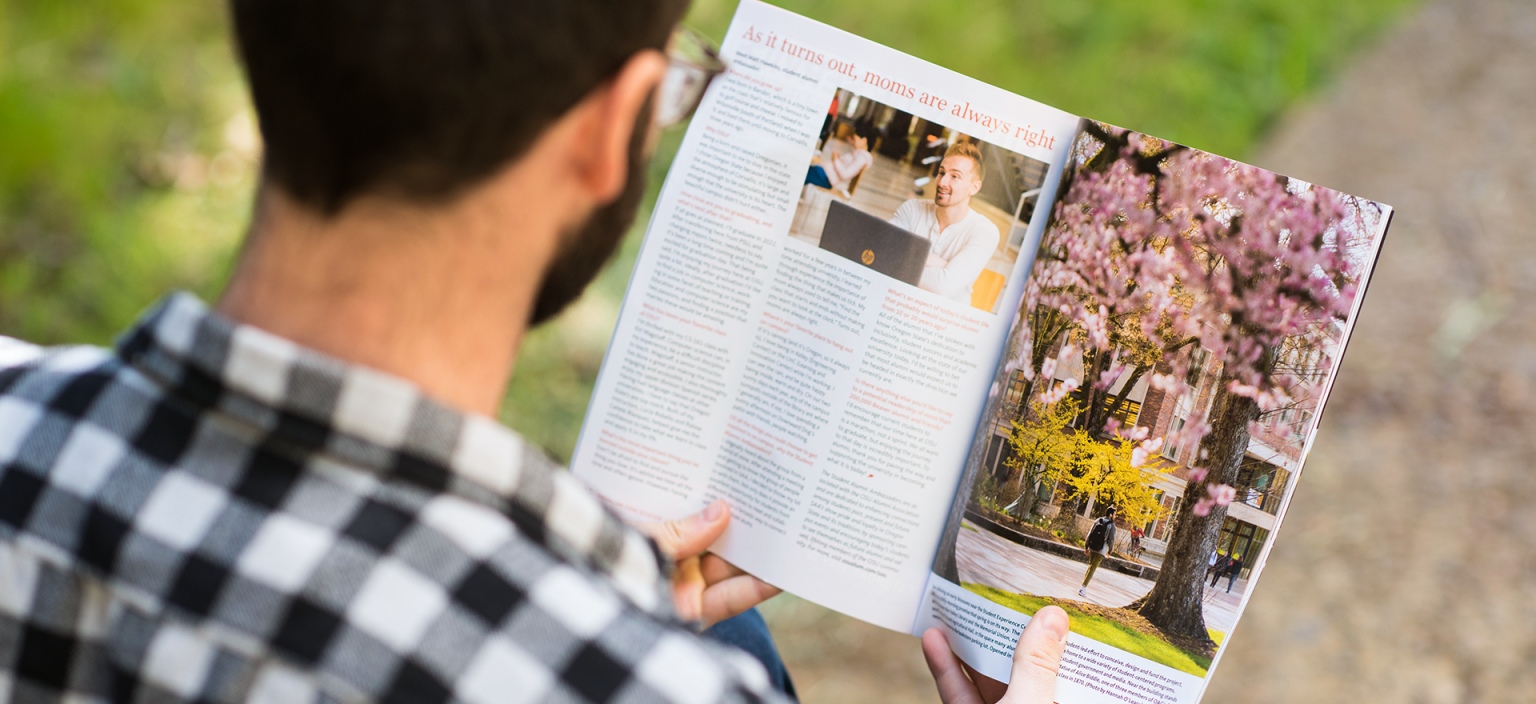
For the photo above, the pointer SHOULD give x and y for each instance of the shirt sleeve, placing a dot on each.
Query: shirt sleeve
(961, 271)
(847, 165)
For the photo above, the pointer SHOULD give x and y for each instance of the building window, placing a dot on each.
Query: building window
(1242, 539)
(1012, 404)
(1262, 486)
(1171, 447)
(1160, 528)
(1127, 413)
(1197, 361)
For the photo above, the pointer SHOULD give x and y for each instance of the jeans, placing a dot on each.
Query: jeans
(1093, 566)
(817, 176)
(748, 631)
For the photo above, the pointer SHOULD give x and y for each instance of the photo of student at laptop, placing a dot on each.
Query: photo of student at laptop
(917, 201)
(961, 239)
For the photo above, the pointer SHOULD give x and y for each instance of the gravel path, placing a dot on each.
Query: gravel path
(1404, 570)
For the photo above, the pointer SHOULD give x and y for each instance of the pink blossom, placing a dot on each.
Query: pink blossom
(1166, 383)
(1221, 493)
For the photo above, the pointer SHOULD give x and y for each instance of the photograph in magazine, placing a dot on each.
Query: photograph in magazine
(1180, 328)
(917, 201)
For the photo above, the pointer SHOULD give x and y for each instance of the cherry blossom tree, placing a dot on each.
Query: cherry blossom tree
(1156, 251)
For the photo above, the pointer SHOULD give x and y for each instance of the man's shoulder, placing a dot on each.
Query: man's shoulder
(34, 379)
(984, 224)
(14, 352)
(461, 567)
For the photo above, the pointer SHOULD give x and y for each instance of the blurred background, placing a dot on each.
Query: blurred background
(127, 160)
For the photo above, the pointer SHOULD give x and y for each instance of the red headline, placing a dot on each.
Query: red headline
(1029, 135)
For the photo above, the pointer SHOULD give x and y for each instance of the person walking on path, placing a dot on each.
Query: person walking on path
(1100, 537)
(1230, 568)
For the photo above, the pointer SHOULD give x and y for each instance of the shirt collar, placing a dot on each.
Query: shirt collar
(319, 405)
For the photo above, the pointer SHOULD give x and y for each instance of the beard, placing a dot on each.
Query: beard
(586, 248)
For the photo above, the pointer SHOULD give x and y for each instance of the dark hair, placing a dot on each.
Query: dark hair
(423, 99)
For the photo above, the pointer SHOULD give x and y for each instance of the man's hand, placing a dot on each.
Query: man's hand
(1035, 662)
(706, 588)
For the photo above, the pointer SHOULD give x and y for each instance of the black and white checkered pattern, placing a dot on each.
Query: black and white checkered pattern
(212, 513)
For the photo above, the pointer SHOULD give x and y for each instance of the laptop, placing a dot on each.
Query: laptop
(874, 243)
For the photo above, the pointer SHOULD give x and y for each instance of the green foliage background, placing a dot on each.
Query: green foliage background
(127, 150)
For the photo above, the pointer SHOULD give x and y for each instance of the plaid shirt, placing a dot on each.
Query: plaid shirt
(213, 513)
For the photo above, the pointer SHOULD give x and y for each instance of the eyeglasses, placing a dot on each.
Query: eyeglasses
(693, 63)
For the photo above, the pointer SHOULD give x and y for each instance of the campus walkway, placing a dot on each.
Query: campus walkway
(996, 562)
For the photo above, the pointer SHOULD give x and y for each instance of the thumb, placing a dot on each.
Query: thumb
(691, 535)
(1038, 657)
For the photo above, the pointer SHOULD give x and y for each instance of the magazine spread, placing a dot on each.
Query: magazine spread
(953, 355)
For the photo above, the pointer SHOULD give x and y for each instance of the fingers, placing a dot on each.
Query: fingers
(709, 590)
(688, 590)
(692, 535)
(1038, 657)
(954, 686)
(716, 569)
(724, 599)
(1035, 663)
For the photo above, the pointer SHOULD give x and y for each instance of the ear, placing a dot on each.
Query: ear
(607, 119)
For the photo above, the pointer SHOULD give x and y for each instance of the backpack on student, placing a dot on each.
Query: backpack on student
(1097, 533)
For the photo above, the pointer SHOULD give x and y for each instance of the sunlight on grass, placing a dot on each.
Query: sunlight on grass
(1104, 630)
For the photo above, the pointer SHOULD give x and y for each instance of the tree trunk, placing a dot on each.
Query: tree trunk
(1174, 603)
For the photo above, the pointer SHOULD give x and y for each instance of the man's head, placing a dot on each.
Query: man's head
(1110, 513)
(421, 102)
(960, 175)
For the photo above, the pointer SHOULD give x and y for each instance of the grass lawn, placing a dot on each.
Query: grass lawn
(1115, 627)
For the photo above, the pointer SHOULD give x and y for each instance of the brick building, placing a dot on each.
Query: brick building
(1263, 482)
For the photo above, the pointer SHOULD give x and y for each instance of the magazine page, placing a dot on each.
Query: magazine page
(818, 306)
(1179, 332)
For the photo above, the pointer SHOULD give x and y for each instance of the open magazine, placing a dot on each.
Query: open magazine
(953, 355)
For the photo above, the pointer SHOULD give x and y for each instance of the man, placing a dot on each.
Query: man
(1101, 538)
(301, 495)
(962, 239)
(1229, 568)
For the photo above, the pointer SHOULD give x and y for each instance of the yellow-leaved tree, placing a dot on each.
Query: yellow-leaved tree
(1106, 473)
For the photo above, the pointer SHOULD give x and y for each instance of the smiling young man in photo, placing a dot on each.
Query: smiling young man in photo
(962, 239)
